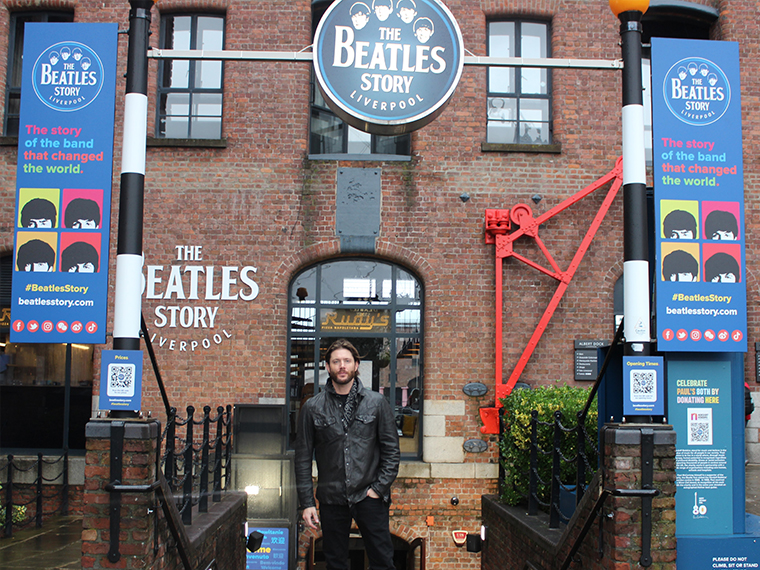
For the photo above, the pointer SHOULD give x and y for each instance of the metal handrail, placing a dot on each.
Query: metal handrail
(38, 496)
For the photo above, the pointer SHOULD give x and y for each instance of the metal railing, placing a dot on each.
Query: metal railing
(19, 498)
(568, 445)
(189, 463)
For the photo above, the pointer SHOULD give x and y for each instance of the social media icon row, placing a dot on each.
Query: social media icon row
(61, 326)
(709, 335)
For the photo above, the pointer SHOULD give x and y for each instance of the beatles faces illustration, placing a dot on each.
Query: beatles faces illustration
(406, 11)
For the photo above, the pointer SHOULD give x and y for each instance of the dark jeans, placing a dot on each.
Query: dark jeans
(371, 516)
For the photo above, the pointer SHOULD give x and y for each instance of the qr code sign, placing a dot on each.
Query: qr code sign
(121, 380)
(643, 386)
(699, 423)
(699, 433)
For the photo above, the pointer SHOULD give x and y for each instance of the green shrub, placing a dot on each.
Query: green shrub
(515, 441)
(19, 512)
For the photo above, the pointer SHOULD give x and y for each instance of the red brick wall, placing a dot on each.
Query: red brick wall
(261, 202)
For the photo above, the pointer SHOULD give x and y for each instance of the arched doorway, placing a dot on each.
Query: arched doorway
(377, 306)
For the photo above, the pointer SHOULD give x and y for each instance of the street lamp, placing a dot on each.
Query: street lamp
(636, 247)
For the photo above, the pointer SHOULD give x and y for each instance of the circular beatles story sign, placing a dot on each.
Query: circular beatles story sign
(388, 66)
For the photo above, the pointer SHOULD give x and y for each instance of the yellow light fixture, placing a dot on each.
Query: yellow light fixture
(620, 6)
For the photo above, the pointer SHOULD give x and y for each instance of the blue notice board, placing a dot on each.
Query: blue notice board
(643, 386)
(121, 380)
(63, 183)
(273, 554)
(699, 196)
(700, 410)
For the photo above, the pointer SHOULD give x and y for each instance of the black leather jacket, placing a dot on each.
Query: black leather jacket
(348, 462)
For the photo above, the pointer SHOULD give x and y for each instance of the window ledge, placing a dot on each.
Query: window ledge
(533, 148)
(194, 143)
(362, 157)
(8, 141)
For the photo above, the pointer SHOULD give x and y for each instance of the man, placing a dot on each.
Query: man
(353, 432)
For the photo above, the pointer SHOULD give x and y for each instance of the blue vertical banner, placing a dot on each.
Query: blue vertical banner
(699, 196)
(63, 183)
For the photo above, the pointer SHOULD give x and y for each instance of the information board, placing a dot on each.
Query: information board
(63, 183)
(120, 380)
(699, 408)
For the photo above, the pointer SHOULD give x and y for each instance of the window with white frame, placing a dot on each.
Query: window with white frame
(190, 91)
(519, 98)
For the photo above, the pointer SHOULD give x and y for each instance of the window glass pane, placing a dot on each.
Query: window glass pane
(392, 145)
(407, 288)
(326, 133)
(304, 288)
(208, 74)
(176, 104)
(206, 128)
(302, 371)
(174, 127)
(207, 104)
(303, 319)
(359, 142)
(210, 33)
(176, 73)
(534, 110)
(501, 43)
(403, 390)
(533, 80)
(502, 109)
(178, 32)
(501, 39)
(353, 281)
(408, 321)
(533, 40)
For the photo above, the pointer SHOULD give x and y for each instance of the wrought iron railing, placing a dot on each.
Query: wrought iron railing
(190, 463)
(36, 496)
(580, 448)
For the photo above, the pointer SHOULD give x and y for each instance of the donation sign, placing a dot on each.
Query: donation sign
(699, 196)
(63, 184)
(388, 67)
(699, 407)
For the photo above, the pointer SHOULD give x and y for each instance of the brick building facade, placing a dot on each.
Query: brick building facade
(253, 188)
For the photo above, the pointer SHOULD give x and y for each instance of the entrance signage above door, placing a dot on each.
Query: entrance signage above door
(388, 67)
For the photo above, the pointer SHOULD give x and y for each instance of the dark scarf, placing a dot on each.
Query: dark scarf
(349, 408)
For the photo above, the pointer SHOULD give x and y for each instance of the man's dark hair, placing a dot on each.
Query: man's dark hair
(79, 252)
(81, 209)
(337, 345)
(679, 220)
(679, 261)
(719, 220)
(719, 263)
(34, 251)
(37, 209)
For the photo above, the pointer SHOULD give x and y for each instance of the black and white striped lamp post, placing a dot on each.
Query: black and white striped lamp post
(129, 260)
(636, 244)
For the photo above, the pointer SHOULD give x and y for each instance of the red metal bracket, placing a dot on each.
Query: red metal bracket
(497, 231)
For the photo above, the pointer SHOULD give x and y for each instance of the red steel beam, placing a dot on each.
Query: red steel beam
(497, 233)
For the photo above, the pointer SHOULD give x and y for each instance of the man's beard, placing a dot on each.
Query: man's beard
(339, 382)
